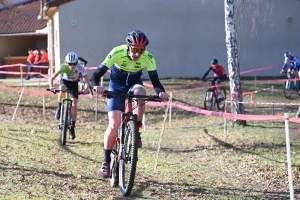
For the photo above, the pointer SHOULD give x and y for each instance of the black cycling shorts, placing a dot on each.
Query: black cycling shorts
(71, 85)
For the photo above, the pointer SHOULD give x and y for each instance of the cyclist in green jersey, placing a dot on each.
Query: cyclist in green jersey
(126, 63)
(71, 70)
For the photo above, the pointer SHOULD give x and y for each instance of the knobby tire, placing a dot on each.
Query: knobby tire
(128, 159)
(288, 88)
(65, 123)
(221, 103)
(114, 165)
(208, 99)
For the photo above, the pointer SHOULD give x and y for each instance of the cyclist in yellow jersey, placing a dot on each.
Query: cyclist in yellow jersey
(126, 63)
(71, 71)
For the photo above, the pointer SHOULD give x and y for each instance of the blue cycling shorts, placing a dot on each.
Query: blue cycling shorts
(118, 102)
(218, 79)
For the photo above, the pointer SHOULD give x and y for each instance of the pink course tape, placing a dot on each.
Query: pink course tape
(187, 108)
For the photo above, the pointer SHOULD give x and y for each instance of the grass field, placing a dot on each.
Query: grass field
(194, 161)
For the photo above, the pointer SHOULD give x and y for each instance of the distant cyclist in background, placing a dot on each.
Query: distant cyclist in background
(290, 61)
(81, 82)
(71, 70)
(82, 61)
(219, 75)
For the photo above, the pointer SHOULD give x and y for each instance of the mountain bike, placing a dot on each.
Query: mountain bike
(124, 154)
(290, 86)
(65, 119)
(211, 98)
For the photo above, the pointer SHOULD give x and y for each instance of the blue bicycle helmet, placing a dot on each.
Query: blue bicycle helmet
(287, 54)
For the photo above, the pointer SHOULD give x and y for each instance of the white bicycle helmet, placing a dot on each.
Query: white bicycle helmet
(71, 57)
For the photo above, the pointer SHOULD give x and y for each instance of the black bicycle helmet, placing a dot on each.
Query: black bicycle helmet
(137, 38)
(214, 61)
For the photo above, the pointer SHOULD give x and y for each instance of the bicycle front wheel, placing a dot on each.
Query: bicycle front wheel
(208, 100)
(64, 123)
(128, 159)
(114, 165)
(221, 102)
(288, 88)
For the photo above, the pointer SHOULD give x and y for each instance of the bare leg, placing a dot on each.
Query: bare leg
(111, 131)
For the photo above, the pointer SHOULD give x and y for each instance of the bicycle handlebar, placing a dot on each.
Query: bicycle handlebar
(131, 95)
(67, 90)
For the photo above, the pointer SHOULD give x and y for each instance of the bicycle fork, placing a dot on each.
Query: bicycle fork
(61, 120)
(124, 136)
(289, 82)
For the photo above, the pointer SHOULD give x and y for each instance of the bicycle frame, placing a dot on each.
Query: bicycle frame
(211, 98)
(66, 100)
(291, 85)
(65, 120)
(125, 149)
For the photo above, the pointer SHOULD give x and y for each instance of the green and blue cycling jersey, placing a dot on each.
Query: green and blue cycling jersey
(125, 73)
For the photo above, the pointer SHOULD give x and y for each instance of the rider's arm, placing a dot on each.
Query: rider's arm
(206, 73)
(87, 81)
(95, 79)
(156, 82)
(52, 79)
(284, 64)
(295, 61)
(61, 70)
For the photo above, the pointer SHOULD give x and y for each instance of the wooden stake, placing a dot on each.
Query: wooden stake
(161, 134)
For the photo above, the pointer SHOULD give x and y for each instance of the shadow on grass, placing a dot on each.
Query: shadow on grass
(193, 191)
(255, 146)
(31, 171)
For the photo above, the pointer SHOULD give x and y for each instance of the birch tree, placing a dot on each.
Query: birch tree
(252, 13)
(233, 62)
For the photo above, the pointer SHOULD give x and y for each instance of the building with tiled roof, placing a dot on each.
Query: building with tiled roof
(184, 35)
(21, 28)
(21, 18)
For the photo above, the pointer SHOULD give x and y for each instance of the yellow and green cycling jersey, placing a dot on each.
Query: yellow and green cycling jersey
(123, 69)
(125, 72)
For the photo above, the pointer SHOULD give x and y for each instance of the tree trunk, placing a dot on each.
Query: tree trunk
(233, 62)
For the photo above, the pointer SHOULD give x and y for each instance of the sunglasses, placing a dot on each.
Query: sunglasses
(136, 50)
(72, 64)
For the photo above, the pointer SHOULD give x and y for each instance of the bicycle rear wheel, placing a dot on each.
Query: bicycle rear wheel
(64, 130)
(114, 166)
(288, 88)
(221, 102)
(128, 159)
(208, 99)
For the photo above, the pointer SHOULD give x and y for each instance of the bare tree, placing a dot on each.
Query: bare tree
(251, 13)
(233, 61)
